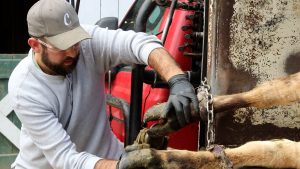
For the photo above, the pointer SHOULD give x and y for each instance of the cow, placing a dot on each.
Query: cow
(280, 153)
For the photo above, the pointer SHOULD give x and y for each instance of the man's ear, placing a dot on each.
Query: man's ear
(34, 44)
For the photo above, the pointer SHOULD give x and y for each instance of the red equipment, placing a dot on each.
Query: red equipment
(181, 44)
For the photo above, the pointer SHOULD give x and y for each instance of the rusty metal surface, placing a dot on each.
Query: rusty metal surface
(251, 41)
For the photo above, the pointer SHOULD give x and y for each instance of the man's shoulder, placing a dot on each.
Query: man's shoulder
(20, 70)
(20, 74)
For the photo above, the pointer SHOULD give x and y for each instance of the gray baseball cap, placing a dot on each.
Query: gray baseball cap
(56, 21)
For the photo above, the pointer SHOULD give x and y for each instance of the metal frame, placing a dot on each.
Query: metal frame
(7, 128)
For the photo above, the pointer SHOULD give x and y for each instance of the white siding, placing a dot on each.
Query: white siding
(91, 11)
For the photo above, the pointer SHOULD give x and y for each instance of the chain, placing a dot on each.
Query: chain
(210, 134)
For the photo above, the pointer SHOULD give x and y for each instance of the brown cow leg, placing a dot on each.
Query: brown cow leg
(280, 91)
(271, 154)
(183, 159)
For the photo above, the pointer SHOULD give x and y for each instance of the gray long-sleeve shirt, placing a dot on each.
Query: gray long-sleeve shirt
(44, 103)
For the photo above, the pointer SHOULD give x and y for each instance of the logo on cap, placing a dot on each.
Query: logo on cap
(67, 19)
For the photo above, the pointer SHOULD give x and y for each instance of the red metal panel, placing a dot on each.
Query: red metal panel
(186, 138)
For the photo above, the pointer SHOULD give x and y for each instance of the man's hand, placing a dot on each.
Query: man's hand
(181, 109)
(159, 142)
(182, 97)
(140, 156)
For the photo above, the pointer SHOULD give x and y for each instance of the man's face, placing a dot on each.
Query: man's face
(60, 62)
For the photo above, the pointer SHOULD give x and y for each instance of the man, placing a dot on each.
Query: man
(58, 89)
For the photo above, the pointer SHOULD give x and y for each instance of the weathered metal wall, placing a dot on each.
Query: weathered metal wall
(252, 41)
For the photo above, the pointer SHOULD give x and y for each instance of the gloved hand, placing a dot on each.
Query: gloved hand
(159, 142)
(181, 108)
(182, 97)
(139, 156)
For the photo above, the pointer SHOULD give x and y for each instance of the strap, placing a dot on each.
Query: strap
(219, 153)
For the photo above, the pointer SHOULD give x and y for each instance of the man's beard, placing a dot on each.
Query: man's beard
(59, 69)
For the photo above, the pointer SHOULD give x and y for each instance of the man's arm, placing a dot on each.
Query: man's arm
(106, 164)
(182, 93)
(162, 62)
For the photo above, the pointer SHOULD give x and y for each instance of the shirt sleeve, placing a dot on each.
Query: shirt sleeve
(44, 129)
(113, 47)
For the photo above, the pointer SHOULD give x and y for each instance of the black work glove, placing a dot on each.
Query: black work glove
(181, 108)
(182, 97)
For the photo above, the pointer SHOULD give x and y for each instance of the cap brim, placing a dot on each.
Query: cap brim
(65, 40)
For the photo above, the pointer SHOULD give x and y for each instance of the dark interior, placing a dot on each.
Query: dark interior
(13, 25)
